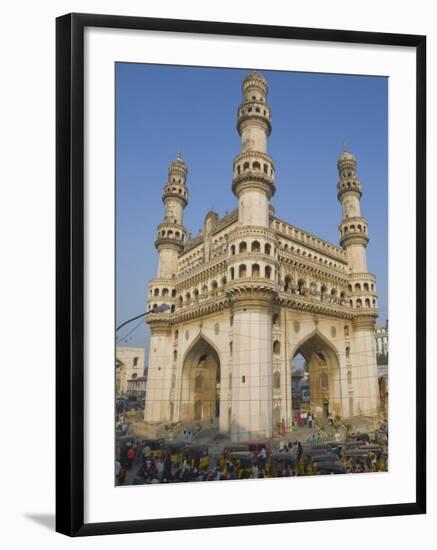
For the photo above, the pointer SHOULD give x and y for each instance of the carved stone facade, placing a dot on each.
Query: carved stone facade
(250, 292)
(129, 369)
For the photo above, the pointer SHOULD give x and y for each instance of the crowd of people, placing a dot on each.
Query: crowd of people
(137, 464)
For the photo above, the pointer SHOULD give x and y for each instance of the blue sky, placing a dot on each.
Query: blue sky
(161, 109)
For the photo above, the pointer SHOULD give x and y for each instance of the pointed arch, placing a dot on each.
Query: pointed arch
(197, 339)
(200, 384)
(324, 340)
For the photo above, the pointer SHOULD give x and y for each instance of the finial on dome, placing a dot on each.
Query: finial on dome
(179, 156)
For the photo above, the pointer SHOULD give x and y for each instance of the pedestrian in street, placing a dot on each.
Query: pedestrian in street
(130, 456)
(299, 450)
(262, 456)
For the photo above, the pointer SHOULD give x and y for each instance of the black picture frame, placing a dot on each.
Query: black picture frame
(70, 273)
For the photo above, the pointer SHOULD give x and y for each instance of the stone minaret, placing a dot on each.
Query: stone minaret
(171, 233)
(169, 243)
(353, 228)
(362, 288)
(253, 181)
(252, 268)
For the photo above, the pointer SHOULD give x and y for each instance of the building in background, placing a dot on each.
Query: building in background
(129, 367)
(251, 292)
(381, 339)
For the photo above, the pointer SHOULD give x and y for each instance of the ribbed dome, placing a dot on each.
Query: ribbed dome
(255, 79)
(178, 164)
(346, 155)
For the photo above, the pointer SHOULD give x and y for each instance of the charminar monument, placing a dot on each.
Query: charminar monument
(250, 292)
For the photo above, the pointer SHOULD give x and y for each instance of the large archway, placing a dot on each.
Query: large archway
(322, 373)
(200, 392)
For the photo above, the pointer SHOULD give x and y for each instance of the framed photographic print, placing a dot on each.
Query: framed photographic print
(240, 274)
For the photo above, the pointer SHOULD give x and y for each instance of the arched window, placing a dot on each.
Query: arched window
(175, 354)
(176, 334)
(267, 249)
(276, 380)
(187, 297)
(366, 286)
(232, 273)
(180, 301)
(324, 382)
(224, 281)
(173, 307)
(246, 166)
(357, 287)
(242, 270)
(173, 293)
(199, 383)
(214, 287)
(268, 272)
(231, 347)
(243, 247)
(348, 352)
(233, 250)
(164, 292)
(266, 168)
(300, 286)
(346, 330)
(256, 165)
(276, 346)
(323, 292)
(231, 320)
(351, 304)
(287, 283)
(256, 247)
(367, 302)
(196, 294)
(255, 270)
(275, 319)
(359, 303)
(156, 292)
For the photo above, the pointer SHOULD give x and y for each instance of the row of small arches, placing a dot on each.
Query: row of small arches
(201, 294)
(311, 256)
(301, 235)
(256, 166)
(178, 190)
(255, 246)
(257, 110)
(350, 184)
(353, 229)
(303, 289)
(358, 287)
(170, 234)
(359, 303)
(255, 272)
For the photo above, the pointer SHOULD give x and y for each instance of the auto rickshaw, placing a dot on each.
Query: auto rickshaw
(197, 456)
(255, 445)
(176, 451)
(156, 447)
(242, 462)
(280, 461)
(231, 448)
(326, 468)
